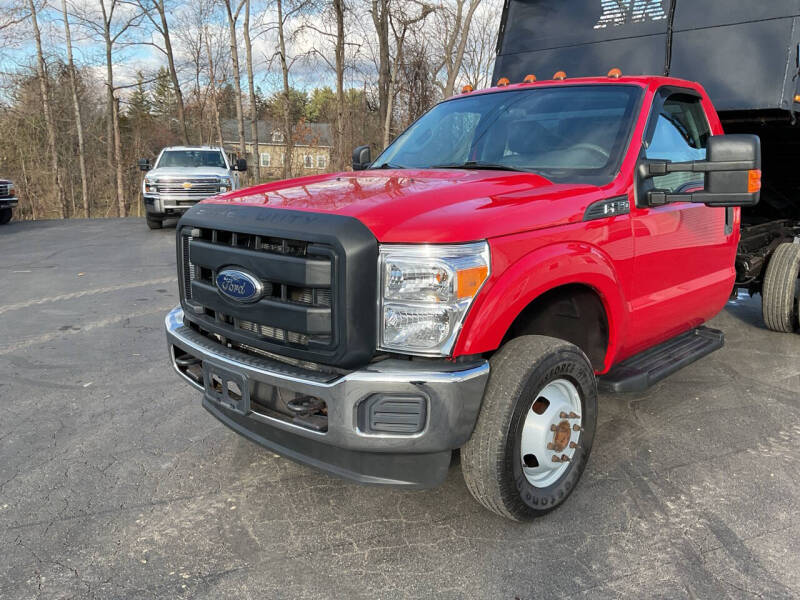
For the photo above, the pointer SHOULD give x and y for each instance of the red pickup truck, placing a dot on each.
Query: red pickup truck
(471, 286)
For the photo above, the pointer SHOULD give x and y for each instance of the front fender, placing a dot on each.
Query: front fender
(514, 285)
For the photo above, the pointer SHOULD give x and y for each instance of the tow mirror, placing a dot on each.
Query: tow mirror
(731, 174)
(361, 158)
(241, 165)
(144, 164)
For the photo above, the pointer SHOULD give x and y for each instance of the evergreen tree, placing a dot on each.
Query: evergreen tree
(164, 103)
(139, 105)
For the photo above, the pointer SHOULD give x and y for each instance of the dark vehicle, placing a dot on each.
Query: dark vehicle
(746, 54)
(8, 200)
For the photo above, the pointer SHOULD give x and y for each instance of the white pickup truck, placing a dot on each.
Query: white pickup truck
(184, 175)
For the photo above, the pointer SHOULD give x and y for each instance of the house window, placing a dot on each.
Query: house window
(322, 161)
(277, 137)
(309, 161)
(265, 159)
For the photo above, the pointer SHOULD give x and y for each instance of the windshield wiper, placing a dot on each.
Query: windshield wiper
(474, 164)
(387, 165)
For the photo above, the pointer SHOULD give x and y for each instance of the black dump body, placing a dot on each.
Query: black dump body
(745, 53)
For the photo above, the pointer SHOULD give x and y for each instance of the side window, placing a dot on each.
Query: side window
(681, 134)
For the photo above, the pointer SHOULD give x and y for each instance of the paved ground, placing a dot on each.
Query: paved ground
(114, 482)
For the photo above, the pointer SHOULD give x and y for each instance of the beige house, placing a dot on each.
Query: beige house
(311, 152)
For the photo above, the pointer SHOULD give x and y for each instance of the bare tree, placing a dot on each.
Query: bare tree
(338, 9)
(454, 23)
(400, 24)
(73, 84)
(338, 65)
(233, 16)
(162, 27)
(380, 14)
(213, 91)
(248, 46)
(47, 111)
(285, 13)
(479, 51)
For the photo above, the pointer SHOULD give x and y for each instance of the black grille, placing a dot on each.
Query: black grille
(282, 265)
(318, 273)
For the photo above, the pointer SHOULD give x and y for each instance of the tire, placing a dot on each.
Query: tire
(154, 222)
(492, 461)
(5, 216)
(779, 294)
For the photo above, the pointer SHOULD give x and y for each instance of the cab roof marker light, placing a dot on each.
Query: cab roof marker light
(615, 73)
(503, 82)
(560, 75)
(530, 78)
(466, 89)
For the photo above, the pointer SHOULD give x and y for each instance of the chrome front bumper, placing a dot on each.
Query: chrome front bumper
(452, 395)
(161, 203)
(9, 202)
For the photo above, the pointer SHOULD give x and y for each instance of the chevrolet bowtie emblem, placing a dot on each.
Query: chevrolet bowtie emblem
(187, 185)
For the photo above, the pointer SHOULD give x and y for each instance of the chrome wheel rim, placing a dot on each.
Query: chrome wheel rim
(551, 433)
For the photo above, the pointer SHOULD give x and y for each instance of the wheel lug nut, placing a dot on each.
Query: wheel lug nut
(573, 445)
(552, 427)
(550, 446)
(564, 458)
(577, 428)
(572, 415)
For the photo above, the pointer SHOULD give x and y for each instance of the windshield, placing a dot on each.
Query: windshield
(192, 158)
(567, 134)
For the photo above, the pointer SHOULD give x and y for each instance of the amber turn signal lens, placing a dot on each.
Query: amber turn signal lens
(753, 181)
(531, 78)
(797, 98)
(503, 82)
(560, 75)
(466, 89)
(471, 280)
(615, 73)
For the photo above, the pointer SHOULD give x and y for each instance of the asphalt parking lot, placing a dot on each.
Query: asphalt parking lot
(115, 483)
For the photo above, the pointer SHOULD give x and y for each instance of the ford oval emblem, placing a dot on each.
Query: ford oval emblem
(239, 286)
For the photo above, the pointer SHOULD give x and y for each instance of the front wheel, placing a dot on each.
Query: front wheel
(535, 429)
(154, 222)
(5, 215)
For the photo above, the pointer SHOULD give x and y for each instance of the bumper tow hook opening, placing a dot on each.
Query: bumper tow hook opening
(309, 412)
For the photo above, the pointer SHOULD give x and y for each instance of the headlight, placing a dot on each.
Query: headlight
(150, 185)
(224, 184)
(425, 294)
(11, 191)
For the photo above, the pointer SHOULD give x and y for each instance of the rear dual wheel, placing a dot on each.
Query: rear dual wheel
(780, 293)
(535, 429)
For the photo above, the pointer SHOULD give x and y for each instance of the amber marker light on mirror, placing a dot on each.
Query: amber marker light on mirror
(753, 181)
(560, 75)
(615, 73)
(503, 82)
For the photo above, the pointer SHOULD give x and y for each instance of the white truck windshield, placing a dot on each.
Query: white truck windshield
(192, 158)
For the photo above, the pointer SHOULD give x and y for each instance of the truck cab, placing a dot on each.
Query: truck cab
(184, 175)
(472, 286)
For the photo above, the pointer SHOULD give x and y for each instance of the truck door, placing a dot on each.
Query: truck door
(683, 256)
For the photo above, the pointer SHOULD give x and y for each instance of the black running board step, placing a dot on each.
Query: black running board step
(643, 370)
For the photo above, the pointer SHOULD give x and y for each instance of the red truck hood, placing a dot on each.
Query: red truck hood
(434, 206)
